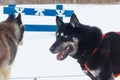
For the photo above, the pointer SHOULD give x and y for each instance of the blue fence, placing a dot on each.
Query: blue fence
(12, 9)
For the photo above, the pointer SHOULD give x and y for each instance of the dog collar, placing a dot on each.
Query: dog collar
(117, 75)
(94, 51)
(86, 67)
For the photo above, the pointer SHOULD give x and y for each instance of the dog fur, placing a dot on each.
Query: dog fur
(97, 54)
(11, 34)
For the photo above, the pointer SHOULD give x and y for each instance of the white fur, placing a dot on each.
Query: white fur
(95, 72)
(66, 36)
(75, 39)
(5, 72)
(73, 25)
(74, 45)
(17, 31)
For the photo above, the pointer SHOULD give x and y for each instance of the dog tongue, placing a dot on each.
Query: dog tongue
(60, 56)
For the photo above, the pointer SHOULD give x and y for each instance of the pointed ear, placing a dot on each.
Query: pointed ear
(58, 21)
(10, 18)
(74, 21)
(18, 19)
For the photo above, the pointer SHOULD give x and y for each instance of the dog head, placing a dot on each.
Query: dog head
(66, 38)
(15, 25)
(75, 39)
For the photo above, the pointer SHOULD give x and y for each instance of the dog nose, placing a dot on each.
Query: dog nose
(52, 49)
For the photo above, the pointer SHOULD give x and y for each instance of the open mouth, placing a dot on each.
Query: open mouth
(64, 53)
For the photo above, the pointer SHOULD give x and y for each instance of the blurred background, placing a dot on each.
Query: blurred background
(5, 2)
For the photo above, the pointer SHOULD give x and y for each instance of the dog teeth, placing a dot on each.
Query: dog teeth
(68, 48)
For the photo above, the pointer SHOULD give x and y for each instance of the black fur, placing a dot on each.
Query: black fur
(106, 59)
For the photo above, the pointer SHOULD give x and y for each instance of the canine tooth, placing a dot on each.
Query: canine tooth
(67, 48)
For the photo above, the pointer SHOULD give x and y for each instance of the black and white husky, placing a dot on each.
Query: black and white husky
(97, 54)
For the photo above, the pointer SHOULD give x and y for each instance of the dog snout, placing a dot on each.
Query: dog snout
(52, 49)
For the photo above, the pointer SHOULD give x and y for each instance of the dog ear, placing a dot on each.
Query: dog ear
(18, 19)
(10, 18)
(74, 21)
(58, 21)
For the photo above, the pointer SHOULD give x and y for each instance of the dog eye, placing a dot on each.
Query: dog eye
(62, 34)
(57, 34)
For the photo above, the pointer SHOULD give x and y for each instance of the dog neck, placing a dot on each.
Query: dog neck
(87, 54)
(85, 63)
(6, 29)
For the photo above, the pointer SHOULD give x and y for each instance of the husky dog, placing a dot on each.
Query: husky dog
(11, 34)
(97, 54)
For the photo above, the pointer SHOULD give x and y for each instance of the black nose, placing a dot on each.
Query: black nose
(52, 49)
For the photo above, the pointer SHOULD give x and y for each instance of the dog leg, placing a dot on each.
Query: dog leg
(5, 72)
